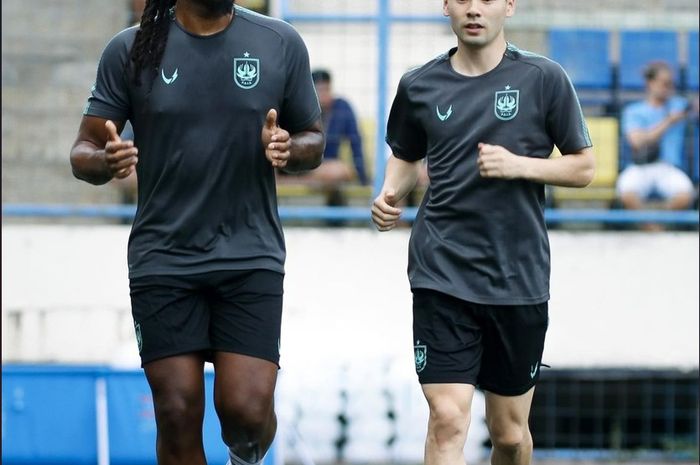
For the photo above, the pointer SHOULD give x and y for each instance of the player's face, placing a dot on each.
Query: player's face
(477, 23)
(325, 97)
(661, 87)
(215, 7)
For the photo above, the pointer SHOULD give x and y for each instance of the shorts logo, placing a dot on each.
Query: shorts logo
(421, 355)
(246, 71)
(139, 338)
(505, 104)
(533, 370)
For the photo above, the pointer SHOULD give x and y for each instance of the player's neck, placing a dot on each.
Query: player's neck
(475, 61)
(656, 101)
(199, 20)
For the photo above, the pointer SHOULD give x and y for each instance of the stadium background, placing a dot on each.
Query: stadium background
(623, 342)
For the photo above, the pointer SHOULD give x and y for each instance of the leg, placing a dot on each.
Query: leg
(450, 414)
(507, 420)
(331, 173)
(244, 399)
(171, 322)
(631, 201)
(634, 186)
(514, 342)
(177, 384)
(680, 201)
(447, 354)
(246, 322)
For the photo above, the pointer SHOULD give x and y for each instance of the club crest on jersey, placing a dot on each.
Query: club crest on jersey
(246, 71)
(505, 103)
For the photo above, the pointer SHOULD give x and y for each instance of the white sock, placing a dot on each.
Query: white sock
(235, 460)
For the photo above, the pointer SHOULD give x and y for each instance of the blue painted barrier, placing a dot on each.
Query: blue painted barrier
(50, 417)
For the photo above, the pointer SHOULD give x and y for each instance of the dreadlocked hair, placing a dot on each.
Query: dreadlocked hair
(151, 38)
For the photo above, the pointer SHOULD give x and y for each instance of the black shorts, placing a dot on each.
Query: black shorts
(497, 348)
(228, 311)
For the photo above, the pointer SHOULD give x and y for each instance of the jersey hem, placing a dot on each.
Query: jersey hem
(200, 269)
(482, 300)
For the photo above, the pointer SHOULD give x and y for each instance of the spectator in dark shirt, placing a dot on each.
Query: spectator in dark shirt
(340, 124)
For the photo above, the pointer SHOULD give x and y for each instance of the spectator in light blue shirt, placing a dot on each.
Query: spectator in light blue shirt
(654, 128)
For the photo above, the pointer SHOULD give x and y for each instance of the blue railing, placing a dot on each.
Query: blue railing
(289, 213)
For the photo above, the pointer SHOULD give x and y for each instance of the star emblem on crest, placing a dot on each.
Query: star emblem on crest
(507, 87)
(246, 54)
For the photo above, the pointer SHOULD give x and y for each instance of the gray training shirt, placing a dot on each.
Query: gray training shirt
(206, 194)
(477, 239)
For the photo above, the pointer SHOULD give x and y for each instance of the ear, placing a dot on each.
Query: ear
(445, 10)
(510, 8)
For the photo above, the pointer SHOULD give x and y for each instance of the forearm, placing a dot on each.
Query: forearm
(306, 151)
(641, 139)
(89, 164)
(574, 170)
(401, 176)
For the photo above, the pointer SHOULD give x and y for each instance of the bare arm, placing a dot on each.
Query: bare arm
(400, 178)
(296, 152)
(306, 151)
(98, 154)
(642, 138)
(572, 170)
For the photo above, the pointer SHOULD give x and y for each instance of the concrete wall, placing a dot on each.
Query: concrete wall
(65, 297)
(49, 57)
(618, 300)
(50, 50)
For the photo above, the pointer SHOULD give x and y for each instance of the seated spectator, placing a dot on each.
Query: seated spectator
(340, 124)
(654, 128)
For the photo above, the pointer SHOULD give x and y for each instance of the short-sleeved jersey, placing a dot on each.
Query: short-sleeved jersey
(206, 193)
(641, 115)
(478, 239)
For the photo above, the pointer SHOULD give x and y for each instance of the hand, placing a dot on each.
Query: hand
(385, 215)
(678, 116)
(120, 156)
(276, 141)
(496, 162)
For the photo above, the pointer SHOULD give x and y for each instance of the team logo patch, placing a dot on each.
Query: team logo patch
(505, 103)
(421, 355)
(246, 71)
(139, 338)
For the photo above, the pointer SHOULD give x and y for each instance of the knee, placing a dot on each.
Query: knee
(250, 413)
(448, 421)
(509, 437)
(178, 414)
